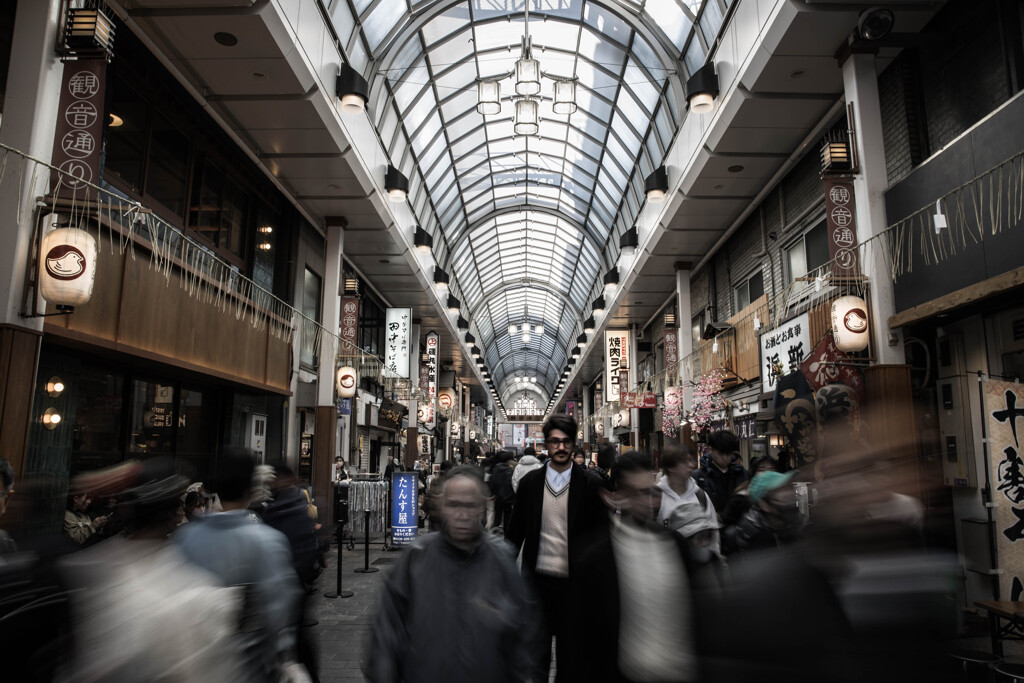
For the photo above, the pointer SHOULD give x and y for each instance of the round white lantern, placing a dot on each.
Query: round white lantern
(850, 323)
(67, 266)
(599, 426)
(623, 418)
(446, 399)
(421, 414)
(347, 381)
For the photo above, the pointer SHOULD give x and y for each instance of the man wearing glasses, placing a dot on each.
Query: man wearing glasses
(556, 506)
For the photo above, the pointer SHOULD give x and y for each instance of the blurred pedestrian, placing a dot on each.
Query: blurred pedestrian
(638, 629)
(454, 607)
(773, 520)
(240, 550)
(681, 499)
(527, 463)
(7, 544)
(720, 477)
(500, 485)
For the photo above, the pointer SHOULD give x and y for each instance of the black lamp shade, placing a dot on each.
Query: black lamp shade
(599, 305)
(589, 325)
(396, 184)
(453, 304)
(581, 340)
(631, 238)
(463, 324)
(352, 89)
(441, 278)
(611, 278)
(470, 339)
(702, 89)
(422, 240)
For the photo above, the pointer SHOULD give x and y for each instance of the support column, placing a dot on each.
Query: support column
(685, 337)
(860, 81)
(325, 441)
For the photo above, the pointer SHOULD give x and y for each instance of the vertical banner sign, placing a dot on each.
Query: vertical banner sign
(570, 409)
(76, 142)
(623, 380)
(671, 347)
(1004, 411)
(396, 342)
(432, 351)
(616, 357)
(350, 319)
(783, 349)
(403, 508)
(841, 225)
(519, 435)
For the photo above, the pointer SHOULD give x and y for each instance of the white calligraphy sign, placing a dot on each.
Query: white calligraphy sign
(616, 357)
(397, 323)
(783, 349)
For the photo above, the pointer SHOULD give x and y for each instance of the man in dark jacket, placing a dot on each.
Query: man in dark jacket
(556, 505)
(501, 488)
(454, 608)
(721, 477)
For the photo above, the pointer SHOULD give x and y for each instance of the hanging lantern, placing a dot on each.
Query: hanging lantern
(421, 414)
(446, 398)
(599, 427)
(579, 435)
(621, 418)
(850, 323)
(565, 97)
(527, 117)
(346, 380)
(67, 266)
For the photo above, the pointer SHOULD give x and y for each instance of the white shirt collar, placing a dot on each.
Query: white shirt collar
(557, 480)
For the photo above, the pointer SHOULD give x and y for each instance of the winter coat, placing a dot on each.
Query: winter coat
(719, 485)
(501, 483)
(527, 463)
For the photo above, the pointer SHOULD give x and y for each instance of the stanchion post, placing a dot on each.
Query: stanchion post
(340, 593)
(367, 569)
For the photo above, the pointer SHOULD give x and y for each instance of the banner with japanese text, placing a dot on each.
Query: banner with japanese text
(79, 131)
(783, 349)
(404, 513)
(350, 319)
(433, 348)
(841, 225)
(616, 357)
(1004, 413)
(397, 325)
(671, 347)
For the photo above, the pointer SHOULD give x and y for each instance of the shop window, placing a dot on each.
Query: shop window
(195, 437)
(371, 327)
(807, 254)
(167, 166)
(750, 290)
(151, 420)
(125, 135)
(95, 419)
(310, 309)
(697, 327)
(218, 210)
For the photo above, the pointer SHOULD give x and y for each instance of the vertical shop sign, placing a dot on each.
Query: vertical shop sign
(396, 342)
(519, 434)
(616, 347)
(350, 319)
(570, 409)
(79, 130)
(841, 225)
(783, 349)
(403, 508)
(1004, 411)
(433, 349)
(671, 348)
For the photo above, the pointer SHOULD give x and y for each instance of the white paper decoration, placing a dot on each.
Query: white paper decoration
(850, 323)
(67, 266)
(347, 381)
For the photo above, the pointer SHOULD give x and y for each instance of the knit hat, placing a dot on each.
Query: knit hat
(766, 482)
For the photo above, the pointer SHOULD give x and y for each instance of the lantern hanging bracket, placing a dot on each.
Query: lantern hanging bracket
(61, 310)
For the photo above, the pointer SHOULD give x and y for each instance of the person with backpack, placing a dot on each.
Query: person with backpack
(682, 501)
(500, 484)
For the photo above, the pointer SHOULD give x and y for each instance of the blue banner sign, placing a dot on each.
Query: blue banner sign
(404, 511)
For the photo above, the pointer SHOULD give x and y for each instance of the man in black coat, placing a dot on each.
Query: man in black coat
(556, 506)
(722, 475)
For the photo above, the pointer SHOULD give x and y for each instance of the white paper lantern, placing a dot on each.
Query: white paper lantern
(850, 323)
(347, 381)
(579, 435)
(67, 266)
(421, 414)
(446, 398)
(599, 426)
(621, 418)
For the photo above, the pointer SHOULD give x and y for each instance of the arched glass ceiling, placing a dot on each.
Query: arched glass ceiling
(509, 212)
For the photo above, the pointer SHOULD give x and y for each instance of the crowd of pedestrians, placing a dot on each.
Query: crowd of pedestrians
(618, 567)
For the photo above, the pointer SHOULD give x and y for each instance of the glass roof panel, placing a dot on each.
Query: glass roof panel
(483, 179)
